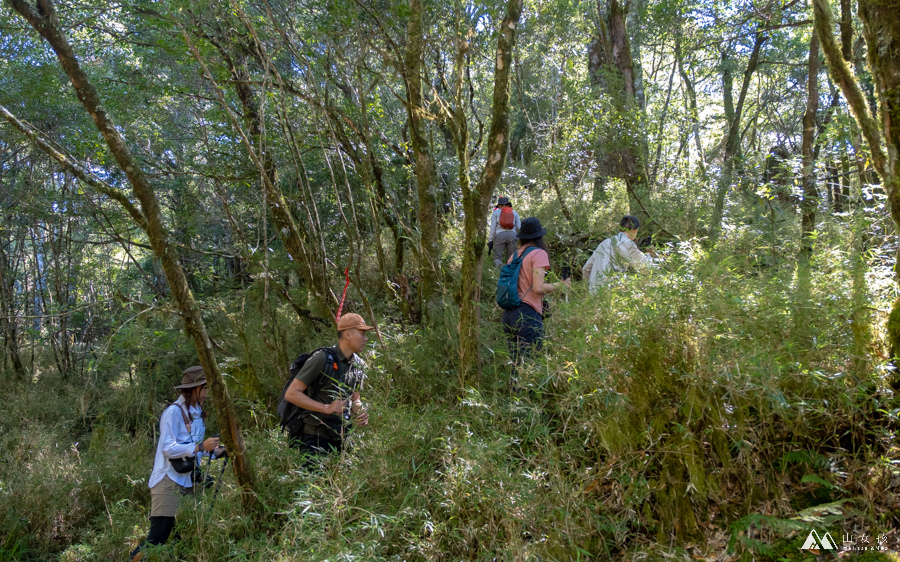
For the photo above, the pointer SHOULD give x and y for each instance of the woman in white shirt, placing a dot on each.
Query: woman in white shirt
(615, 255)
(181, 429)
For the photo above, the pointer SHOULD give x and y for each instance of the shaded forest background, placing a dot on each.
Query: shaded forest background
(187, 182)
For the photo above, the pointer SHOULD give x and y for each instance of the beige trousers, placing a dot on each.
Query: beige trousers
(164, 498)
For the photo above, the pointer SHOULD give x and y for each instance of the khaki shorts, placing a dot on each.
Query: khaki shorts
(164, 498)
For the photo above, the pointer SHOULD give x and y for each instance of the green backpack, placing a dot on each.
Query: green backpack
(508, 284)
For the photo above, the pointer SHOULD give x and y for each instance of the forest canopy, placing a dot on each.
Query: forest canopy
(214, 182)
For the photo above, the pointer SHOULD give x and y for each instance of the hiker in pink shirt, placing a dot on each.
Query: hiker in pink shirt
(524, 325)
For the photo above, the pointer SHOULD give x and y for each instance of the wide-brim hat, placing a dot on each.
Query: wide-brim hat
(531, 229)
(503, 201)
(191, 377)
(352, 320)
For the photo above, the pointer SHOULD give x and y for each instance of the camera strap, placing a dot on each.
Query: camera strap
(188, 463)
(184, 416)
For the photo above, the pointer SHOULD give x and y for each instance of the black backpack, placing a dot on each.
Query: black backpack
(287, 411)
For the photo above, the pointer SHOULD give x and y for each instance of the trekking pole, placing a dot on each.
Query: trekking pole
(219, 480)
(205, 475)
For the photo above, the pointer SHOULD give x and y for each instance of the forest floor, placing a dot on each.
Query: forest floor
(714, 410)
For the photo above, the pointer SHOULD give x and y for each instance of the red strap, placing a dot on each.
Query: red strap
(343, 296)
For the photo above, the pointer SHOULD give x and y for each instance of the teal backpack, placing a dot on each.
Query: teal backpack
(508, 284)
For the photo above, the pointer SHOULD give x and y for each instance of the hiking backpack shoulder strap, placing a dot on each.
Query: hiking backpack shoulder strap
(525, 253)
(330, 369)
(528, 249)
(184, 416)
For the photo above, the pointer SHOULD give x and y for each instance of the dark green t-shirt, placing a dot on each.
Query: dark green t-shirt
(343, 378)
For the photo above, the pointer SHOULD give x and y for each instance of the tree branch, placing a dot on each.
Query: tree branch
(76, 169)
(843, 76)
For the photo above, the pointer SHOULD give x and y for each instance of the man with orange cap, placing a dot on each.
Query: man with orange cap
(326, 389)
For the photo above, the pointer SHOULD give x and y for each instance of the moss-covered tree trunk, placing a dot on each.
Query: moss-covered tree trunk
(613, 69)
(693, 111)
(475, 201)
(424, 166)
(296, 240)
(43, 18)
(634, 160)
(8, 322)
(881, 29)
(733, 141)
(808, 171)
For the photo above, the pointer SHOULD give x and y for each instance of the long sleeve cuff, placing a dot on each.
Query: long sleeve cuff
(178, 450)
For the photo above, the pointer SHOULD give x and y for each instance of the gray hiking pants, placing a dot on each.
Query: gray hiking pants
(504, 246)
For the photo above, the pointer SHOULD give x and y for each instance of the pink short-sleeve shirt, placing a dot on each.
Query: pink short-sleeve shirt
(536, 259)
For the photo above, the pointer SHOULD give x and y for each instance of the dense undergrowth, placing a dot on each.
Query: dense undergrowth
(717, 409)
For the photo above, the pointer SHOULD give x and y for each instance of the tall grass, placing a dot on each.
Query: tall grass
(716, 404)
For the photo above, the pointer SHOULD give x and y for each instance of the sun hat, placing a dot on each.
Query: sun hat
(192, 376)
(503, 201)
(531, 229)
(349, 321)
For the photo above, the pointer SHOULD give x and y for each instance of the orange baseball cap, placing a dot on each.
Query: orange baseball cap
(352, 320)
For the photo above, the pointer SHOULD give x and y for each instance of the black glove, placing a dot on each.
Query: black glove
(491, 246)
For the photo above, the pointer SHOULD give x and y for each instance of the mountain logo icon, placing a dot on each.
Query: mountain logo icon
(816, 542)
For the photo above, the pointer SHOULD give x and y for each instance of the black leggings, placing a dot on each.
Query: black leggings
(160, 529)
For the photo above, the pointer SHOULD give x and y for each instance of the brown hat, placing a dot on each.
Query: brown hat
(352, 320)
(192, 376)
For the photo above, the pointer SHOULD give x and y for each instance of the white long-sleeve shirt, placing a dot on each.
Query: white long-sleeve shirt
(615, 254)
(176, 442)
(495, 219)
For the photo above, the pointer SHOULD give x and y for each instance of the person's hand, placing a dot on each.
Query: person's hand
(335, 407)
(567, 282)
(210, 444)
(362, 417)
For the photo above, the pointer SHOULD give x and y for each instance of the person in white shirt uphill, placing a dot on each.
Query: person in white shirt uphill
(615, 255)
